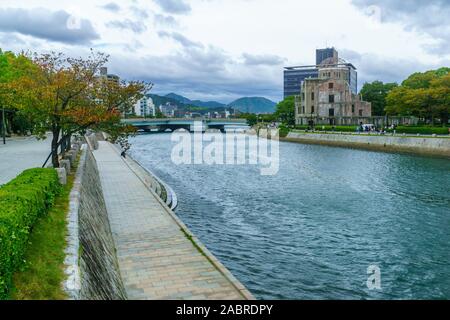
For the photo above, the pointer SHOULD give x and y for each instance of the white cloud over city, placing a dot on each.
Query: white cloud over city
(222, 50)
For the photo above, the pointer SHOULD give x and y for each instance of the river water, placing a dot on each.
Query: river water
(312, 230)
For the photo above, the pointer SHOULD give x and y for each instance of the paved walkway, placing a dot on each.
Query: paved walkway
(19, 154)
(156, 259)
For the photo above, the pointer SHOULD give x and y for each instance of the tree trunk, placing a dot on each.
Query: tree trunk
(68, 142)
(444, 119)
(55, 160)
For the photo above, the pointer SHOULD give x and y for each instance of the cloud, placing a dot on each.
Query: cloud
(202, 73)
(266, 59)
(430, 17)
(178, 37)
(174, 6)
(49, 25)
(373, 67)
(127, 24)
(139, 12)
(166, 21)
(114, 7)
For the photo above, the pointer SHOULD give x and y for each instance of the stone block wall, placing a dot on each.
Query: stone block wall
(416, 145)
(93, 269)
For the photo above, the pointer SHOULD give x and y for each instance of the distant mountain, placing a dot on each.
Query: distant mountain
(198, 103)
(178, 98)
(159, 100)
(254, 105)
(247, 104)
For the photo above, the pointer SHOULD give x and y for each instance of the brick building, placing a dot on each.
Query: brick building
(330, 98)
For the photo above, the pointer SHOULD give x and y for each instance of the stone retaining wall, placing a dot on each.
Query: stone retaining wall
(92, 268)
(417, 145)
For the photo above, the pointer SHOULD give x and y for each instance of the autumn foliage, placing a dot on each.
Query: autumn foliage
(68, 96)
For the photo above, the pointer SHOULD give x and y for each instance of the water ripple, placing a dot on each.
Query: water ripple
(311, 231)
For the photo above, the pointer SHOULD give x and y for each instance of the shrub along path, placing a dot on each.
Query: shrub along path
(23, 202)
(43, 272)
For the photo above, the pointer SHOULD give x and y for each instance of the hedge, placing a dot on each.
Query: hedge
(22, 201)
(421, 130)
(319, 127)
(284, 131)
(399, 129)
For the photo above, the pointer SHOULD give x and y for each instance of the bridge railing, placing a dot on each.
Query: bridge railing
(168, 120)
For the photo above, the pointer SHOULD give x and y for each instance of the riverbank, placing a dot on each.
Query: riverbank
(159, 258)
(312, 230)
(431, 146)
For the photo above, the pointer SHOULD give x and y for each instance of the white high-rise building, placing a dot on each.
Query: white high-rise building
(145, 107)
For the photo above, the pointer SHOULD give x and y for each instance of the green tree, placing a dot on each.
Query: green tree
(251, 118)
(424, 95)
(285, 111)
(66, 96)
(376, 93)
(12, 67)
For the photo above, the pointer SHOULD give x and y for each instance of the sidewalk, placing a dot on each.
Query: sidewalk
(156, 259)
(19, 154)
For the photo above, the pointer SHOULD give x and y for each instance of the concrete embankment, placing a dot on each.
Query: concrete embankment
(433, 146)
(126, 243)
(92, 267)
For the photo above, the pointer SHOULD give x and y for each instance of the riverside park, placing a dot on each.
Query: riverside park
(133, 174)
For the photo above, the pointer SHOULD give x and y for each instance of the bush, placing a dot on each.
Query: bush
(421, 130)
(319, 127)
(22, 201)
(284, 131)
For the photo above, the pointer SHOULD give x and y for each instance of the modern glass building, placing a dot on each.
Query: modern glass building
(353, 78)
(323, 54)
(294, 76)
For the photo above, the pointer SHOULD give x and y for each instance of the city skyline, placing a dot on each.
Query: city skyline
(217, 50)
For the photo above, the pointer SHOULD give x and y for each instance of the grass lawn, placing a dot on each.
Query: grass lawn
(43, 274)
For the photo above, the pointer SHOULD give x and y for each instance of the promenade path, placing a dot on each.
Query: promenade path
(21, 153)
(156, 258)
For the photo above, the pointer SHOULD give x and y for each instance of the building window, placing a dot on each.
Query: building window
(312, 109)
(353, 108)
(312, 96)
(330, 85)
(331, 112)
(303, 96)
(303, 110)
(331, 98)
(360, 112)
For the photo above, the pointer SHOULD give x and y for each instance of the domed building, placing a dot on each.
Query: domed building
(332, 97)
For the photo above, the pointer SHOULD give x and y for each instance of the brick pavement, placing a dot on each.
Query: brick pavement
(156, 259)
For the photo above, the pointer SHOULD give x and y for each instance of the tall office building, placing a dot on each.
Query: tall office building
(327, 53)
(294, 76)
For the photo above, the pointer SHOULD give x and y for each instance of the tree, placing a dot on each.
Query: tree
(285, 111)
(376, 93)
(424, 95)
(440, 92)
(251, 118)
(66, 96)
(12, 67)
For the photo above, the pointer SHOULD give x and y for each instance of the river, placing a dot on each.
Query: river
(312, 230)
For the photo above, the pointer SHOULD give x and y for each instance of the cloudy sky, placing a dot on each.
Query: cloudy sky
(222, 50)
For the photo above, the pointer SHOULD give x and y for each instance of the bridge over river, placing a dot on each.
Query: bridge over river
(161, 125)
